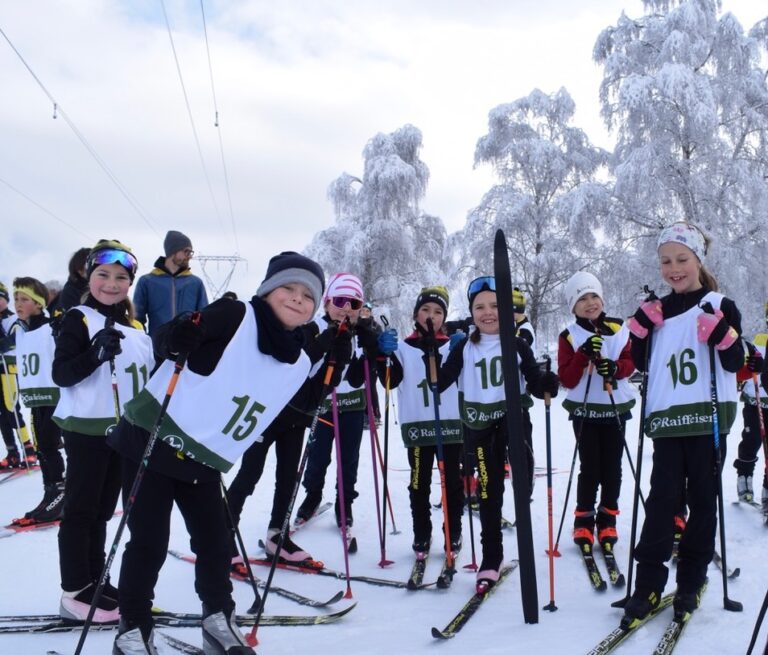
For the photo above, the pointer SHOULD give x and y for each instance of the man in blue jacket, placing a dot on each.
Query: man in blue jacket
(170, 288)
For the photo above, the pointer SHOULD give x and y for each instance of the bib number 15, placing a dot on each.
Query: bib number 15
(682, 368)
(244, 419)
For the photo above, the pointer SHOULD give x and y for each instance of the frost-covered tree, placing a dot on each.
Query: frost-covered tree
(686, 96)
(548, 200)
(380, 233)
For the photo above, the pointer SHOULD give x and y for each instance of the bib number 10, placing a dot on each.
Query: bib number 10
(243, 420)
(682, 368)
(496, 377)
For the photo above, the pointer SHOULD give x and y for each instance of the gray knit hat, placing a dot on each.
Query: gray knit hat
(288, 267)
(175, 241)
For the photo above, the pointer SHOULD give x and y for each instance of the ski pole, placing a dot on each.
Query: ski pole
(608, 387)
(382, 463)
(383, 562)
(250, 638)
(550, 607)
(340, 487)
(385, 466)
(109, 323)
(240, 544)
(469, 474)
(729, 604)
(758, 623)
(178, 366)
(650, 296)
(432, 379)
(556, 551)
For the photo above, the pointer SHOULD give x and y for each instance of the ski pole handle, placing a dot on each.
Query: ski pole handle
(547, 368)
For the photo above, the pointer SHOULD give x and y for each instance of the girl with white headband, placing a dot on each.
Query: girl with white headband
(683, 326)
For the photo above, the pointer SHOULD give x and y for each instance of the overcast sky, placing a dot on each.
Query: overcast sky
(300, 87)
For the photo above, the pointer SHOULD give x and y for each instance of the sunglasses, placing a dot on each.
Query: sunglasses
(342, 301)
(485, 283)
(109, 256)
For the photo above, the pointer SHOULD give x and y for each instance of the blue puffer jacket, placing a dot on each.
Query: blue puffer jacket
(161, 295)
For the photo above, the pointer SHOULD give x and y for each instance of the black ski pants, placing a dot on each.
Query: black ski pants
(91, 490)
(421, 459)
(678, 463)
(751, 442)
(48, 438)
(600, 450)
(202, 508)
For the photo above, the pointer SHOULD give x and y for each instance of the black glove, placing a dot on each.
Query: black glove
(367, 337)
(547, 383)
(606, 368)
(340, 351)
(185, 335)
(755, 363)
(105, 344)
(591, 347)
(316, 346)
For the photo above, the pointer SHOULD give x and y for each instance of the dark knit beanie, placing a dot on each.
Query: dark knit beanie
(291, 267)
(4, 291)
(518, 301)
(436, 294)
(175, 241)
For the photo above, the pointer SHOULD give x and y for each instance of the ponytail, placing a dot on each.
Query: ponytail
(707, 279)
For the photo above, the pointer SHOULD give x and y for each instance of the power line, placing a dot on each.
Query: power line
(47, 211)
(191, 118)
(91, 150)
(218, 130)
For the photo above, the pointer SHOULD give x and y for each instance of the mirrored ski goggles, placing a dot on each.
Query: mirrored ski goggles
(342, 301)
(485, 283)
(111, 256)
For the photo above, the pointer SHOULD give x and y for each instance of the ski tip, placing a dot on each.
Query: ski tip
(439, 634)
(620, 581)
(732, 605)
(602, 586)
(735, 573)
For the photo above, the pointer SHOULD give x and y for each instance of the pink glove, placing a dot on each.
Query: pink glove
(648, 316)
(714, 330)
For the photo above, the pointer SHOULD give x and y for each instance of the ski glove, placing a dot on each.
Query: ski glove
(456, 338)
(341, 349)
(648, 316)
(548, 382)
(185, 336)
(105, 344)
(755, 363)
(714, 330)
(387, 342)
(591, 347)
(606, 368)
(367, 338)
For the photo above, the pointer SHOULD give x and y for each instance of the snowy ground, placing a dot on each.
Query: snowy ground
(397, 621)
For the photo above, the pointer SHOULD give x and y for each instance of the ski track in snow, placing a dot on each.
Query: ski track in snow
(398, 621)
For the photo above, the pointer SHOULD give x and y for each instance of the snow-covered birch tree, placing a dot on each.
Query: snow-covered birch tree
(380, 234)
(685, 93)
(548, 200)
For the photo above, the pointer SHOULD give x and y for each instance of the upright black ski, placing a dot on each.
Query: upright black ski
(515, 434)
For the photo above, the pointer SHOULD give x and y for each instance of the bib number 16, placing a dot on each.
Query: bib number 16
(682, 368)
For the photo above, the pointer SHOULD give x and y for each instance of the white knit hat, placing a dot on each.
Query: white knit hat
(346, 285)
(580, 284)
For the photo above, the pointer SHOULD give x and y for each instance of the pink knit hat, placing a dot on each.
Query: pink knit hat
(344, 284)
